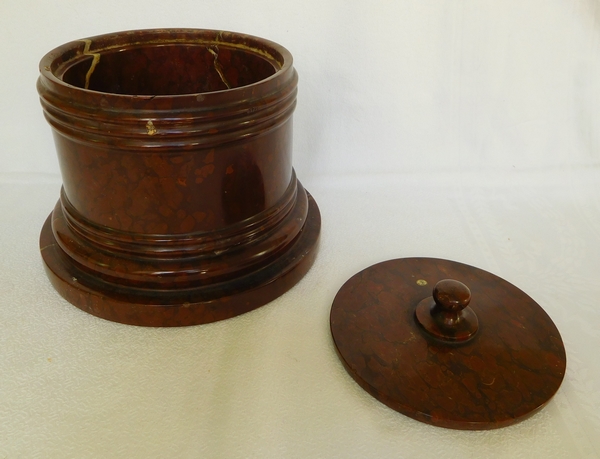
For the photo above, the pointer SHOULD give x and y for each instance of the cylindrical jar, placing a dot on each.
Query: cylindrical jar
(179, 203)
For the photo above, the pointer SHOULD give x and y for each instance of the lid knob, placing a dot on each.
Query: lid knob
(446, 314)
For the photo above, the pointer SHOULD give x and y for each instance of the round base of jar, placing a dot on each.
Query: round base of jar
(194, 306)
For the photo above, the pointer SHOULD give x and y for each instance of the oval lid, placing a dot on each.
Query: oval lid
(470, 352)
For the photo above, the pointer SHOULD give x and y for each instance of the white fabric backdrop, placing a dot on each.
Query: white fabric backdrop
(457, 129)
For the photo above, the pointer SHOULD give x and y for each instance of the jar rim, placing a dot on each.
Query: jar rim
(56, 62)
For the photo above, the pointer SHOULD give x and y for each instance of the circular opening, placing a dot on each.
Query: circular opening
(168, 69)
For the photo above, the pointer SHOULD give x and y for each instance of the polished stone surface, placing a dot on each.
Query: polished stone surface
(179, 205)
(509, 370)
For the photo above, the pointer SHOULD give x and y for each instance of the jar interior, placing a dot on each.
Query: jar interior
(168, 69)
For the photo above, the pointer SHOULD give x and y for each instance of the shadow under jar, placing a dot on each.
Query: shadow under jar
(179, 204)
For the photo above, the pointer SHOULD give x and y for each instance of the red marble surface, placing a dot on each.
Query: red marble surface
(508, 371)
(175, 148)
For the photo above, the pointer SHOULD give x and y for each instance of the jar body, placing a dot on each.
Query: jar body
(177, 207)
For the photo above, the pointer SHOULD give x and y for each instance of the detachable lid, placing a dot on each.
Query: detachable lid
(446, 343)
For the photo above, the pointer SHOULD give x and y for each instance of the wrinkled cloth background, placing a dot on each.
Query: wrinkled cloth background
(458, 129)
